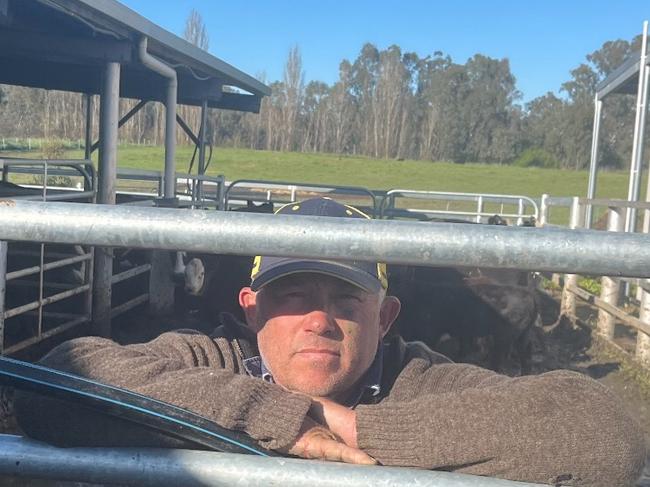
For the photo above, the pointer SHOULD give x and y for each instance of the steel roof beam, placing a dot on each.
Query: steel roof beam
(49, 47)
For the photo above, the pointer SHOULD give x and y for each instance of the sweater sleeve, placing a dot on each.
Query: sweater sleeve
(560, 427)
(189, 370)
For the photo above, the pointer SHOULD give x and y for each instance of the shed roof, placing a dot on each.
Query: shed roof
(623, 80)
(64, 44)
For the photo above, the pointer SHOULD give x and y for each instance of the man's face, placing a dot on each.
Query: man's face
(318, 334)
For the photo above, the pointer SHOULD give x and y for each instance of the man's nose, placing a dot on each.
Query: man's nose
(320, 322)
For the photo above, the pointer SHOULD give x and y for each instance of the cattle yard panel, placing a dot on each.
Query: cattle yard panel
(282, 192)
(27, 296)
(201, 191)
(196, 191)
(476, 207)
(610, 296)
(30, 170)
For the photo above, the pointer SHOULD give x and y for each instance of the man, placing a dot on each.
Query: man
(312, 375)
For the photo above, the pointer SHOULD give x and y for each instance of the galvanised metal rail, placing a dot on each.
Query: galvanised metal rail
(526, 208)
(547, 202)
(194, 186)
(406, 242)
(261, 191)
(52, 167)
(20, 457)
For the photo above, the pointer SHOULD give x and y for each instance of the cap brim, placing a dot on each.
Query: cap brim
(340, 270)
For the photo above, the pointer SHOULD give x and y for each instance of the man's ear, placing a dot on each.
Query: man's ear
(388, 313)
(248, 302)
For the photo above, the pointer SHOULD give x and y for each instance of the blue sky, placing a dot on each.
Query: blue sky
(543, 40)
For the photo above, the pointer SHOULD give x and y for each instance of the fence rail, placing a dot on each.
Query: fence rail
(608, 301)
(282, 192)
(624, 317)
(158, 467)
(193, 190)
(517, 207)
(446, 244)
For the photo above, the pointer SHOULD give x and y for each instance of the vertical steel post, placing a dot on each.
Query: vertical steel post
(170, 141)
(109, 118)
(3, 290)
(202, 139)
(88, 185)
(568, 307)
(610, 288)
(543, 210)
(639, 129)
(593, 165)
(479, 209)
(642, 340)
(520, 210)
(88, 134)
(161, 287)
(42, 262)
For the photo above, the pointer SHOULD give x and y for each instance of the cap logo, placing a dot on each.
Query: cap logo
(256, 266)
(382, 275)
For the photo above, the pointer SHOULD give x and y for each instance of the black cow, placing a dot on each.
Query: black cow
(470, 319)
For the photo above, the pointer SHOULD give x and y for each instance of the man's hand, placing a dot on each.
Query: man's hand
(340, 420)
(317, 442)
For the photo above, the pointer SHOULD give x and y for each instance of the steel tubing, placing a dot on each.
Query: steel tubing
(593, 165)
(636, 165)
(424, 243)
(156, 467)
(47, 267)
(43, 336)
(10, 313)
(3, 290)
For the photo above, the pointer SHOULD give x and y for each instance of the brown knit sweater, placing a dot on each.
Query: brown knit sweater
(560, 427)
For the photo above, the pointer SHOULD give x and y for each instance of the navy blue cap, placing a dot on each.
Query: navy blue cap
(370, 276)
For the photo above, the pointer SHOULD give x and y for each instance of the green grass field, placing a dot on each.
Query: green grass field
(378, 173)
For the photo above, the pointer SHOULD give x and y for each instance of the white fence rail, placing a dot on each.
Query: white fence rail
(609, 300)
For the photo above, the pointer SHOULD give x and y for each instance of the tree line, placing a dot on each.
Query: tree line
(386, 103)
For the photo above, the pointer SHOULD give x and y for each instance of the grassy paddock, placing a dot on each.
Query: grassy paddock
(380, 173)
